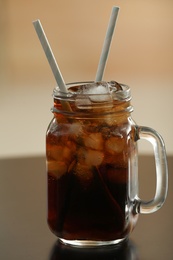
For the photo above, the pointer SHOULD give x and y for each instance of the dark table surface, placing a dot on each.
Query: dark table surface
(24, 233)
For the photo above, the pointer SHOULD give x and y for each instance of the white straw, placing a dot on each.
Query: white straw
(49, 54)
(107, 43)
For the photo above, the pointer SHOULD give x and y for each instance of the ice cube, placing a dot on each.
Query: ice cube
(83, 102)
(98, 92)
(56, 169)
(55, 152)
(114, 144)
(75, 128)
(93, 92)
(94, 141)
(62, 153)
(90, 157)
(94, 158)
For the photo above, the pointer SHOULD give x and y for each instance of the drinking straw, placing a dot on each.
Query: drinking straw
(50, 56)
(106, 44)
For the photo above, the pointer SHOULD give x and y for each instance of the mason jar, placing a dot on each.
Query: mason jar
(92, 165)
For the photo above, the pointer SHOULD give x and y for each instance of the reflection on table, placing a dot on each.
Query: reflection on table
(125, 251)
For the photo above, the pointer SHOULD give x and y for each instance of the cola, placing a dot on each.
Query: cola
(88, 151)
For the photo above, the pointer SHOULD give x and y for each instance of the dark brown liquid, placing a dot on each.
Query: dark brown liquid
(93, 211)
(87, 162)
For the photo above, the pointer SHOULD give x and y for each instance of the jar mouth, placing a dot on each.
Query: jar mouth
(81, 98)
(74, 92)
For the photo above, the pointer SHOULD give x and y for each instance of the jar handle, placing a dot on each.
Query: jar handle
(157, 142)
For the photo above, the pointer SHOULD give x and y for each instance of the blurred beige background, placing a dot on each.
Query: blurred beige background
(141, 56)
